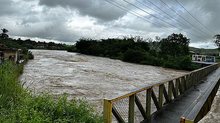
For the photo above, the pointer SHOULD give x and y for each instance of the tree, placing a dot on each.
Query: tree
(4, 30)
(175, 45)
(217, 40)
(4, 34)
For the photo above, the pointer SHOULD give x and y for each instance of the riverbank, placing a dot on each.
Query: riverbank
(19, 105)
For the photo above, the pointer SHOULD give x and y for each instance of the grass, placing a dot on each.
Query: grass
(20, 106)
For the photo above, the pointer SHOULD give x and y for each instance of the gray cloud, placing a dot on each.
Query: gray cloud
(68, 20)
(95, 8)
(6, 7)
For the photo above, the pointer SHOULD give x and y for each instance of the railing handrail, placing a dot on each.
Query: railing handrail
(157, 84)
(176, 87)
(199, 108)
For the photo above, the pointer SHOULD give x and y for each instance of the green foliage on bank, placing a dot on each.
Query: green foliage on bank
(170, 52)
(30, 44)
(19, 106)
(10, 90)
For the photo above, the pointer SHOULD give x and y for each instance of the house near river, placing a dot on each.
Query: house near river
(11, 54)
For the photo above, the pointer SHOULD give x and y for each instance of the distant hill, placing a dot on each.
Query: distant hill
(213, 52)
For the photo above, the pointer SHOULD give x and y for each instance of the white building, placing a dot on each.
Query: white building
(203, 58)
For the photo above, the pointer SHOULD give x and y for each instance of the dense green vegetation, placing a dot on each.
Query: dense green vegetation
(19, 106)
(217, 40)
(171, 52)
(29, 44)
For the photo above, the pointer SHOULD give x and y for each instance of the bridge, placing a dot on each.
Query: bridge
(186, 99)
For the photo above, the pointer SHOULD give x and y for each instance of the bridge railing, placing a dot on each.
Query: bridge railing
(137, 105)
(199, 108)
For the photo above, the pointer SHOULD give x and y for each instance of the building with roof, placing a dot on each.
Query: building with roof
(8, 54)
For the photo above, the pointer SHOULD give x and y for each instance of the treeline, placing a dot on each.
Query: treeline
(30, 44)
(171, 52)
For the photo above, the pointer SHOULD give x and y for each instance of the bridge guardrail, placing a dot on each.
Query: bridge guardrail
(123, 107)
(199, 108)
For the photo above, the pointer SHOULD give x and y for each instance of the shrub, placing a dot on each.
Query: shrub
(182, 63)
(30, 55)
(10, 89)
(135, 56)
(151, 60)
(19, 106)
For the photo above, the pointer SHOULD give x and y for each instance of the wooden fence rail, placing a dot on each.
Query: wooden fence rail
(167, 92)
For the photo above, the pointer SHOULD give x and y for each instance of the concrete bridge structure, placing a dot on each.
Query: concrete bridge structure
(185, 99)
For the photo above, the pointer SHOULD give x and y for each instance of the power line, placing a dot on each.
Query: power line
(131, 12)
(149, 13)
(138, 15)
(152, 14)
(182, 17)
(170, 17)
(156, 17)
(193, 16)
(154, 9)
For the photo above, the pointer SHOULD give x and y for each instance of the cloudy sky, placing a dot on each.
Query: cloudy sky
(69, 20)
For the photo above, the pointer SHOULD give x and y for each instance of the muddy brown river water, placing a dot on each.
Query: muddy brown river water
(88, 77)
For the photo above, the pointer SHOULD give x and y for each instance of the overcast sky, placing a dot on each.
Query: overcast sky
(69, 20)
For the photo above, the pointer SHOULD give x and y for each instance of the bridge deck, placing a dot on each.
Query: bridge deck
(172, 112)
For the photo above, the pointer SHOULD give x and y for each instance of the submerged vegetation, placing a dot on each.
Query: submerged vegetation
(171, 52)
(17, 105)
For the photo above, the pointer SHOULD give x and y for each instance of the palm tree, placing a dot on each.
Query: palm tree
(4, 30)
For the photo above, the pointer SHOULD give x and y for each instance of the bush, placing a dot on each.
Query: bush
(44, 108)
(19, 106)
(71, 48)
(151, 60)
(134, 56)
(182, 63)
(10, 89)
(30, 55)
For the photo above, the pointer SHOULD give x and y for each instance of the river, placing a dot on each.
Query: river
(88, 77)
